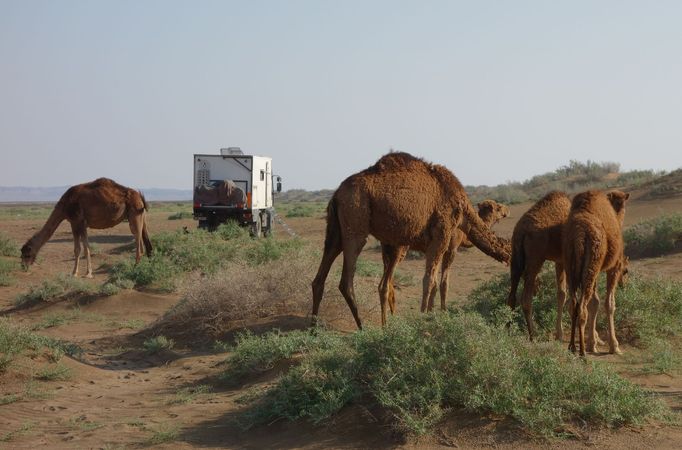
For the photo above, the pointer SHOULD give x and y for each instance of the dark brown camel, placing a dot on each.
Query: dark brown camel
(102, 203)
(593, 243)
(537, 238)
(490, 213)
(402, 201)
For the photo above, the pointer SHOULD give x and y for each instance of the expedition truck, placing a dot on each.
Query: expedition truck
(235, 186)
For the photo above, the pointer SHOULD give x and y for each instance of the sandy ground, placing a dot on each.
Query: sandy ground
(119, 397)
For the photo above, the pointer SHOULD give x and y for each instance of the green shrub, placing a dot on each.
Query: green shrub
(60, 286)
(367, 268)
(231, 230)
(6, 269)
(654, 237)
(300, 211)
(261, 251)
(156, 344)
(15, 340)
(156, 271)
(645, 309)
(419, 367)
(8, 247)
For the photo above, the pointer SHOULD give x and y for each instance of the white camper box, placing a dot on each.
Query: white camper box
(231, 168)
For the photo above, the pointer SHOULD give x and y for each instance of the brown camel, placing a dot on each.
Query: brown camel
(102, 203)
(536, 239)
(593, 243)
(402, 201)
(490, 213)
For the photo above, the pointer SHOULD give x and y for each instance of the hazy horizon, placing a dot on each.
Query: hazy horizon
(496, 91)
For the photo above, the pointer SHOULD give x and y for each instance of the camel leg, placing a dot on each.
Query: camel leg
(390, 256)
(86, 248)
(575, 307)
(75, 230)
(561, 299)
(586, 297)
(391, 285)
(351, 250)
(434, 255)
(529, 285)
(448, 258)
(136, 224)
(592, 308)
(610, 307)
(593, 321)
(330, 254)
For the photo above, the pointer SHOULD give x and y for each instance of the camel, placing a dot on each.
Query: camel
(402, 201)
(490, 213)
(593, 243)
(102, 203)
(537, 238)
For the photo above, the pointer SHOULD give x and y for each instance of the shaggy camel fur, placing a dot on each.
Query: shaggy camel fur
(402, 201)
(490, 213)
(536, 239)
(593, 243)
(102, 203)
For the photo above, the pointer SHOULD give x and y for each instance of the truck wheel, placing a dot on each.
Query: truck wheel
(267, 230)
(256, 229)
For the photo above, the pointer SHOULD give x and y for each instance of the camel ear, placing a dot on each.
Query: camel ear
(485, 206)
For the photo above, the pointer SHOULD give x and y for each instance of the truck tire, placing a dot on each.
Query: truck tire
(267, 229)
(255, 230)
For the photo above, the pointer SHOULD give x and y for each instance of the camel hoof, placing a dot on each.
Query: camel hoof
(559, 336)
(89, 276)
(616, 351)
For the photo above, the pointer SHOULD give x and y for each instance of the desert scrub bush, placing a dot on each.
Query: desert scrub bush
(16, 340)
(61, 286)
(654, 237)
(300, 211)
(8, 247)
(646, 309)
(367, 268)
(210, 305)
(6, 269)
(180, 215)
(261, 251)
(417, 368)
(156, 271)
(157, 343)
(255, 354)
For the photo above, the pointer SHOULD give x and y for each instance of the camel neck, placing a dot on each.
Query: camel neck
(46, 232)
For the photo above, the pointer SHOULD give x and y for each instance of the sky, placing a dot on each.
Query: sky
(494, 90)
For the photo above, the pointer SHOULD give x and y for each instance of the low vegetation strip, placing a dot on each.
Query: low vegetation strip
(654, 237)
(646, 309)
(16, 341)
(419, 367)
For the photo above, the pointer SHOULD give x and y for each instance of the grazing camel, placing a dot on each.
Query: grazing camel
(593, 243)
(102, 203)
(536, 239)
(402, 201)
(490, 213)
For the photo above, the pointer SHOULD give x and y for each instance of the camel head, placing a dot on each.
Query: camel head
(492, 212)
(618, 199)
(28, 254)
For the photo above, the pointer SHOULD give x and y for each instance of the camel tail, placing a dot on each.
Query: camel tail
(578, 254)
(145, 239)
(484, 239)
(332, 237)
(144, 201)
(517, 266)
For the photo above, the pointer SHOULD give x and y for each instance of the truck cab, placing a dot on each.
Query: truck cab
(235, 186)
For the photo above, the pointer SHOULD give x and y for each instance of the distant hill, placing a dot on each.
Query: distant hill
(575, 177)
(669, 185)
(52, 194)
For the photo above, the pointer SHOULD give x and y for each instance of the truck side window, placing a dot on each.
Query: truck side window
(262, 175)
